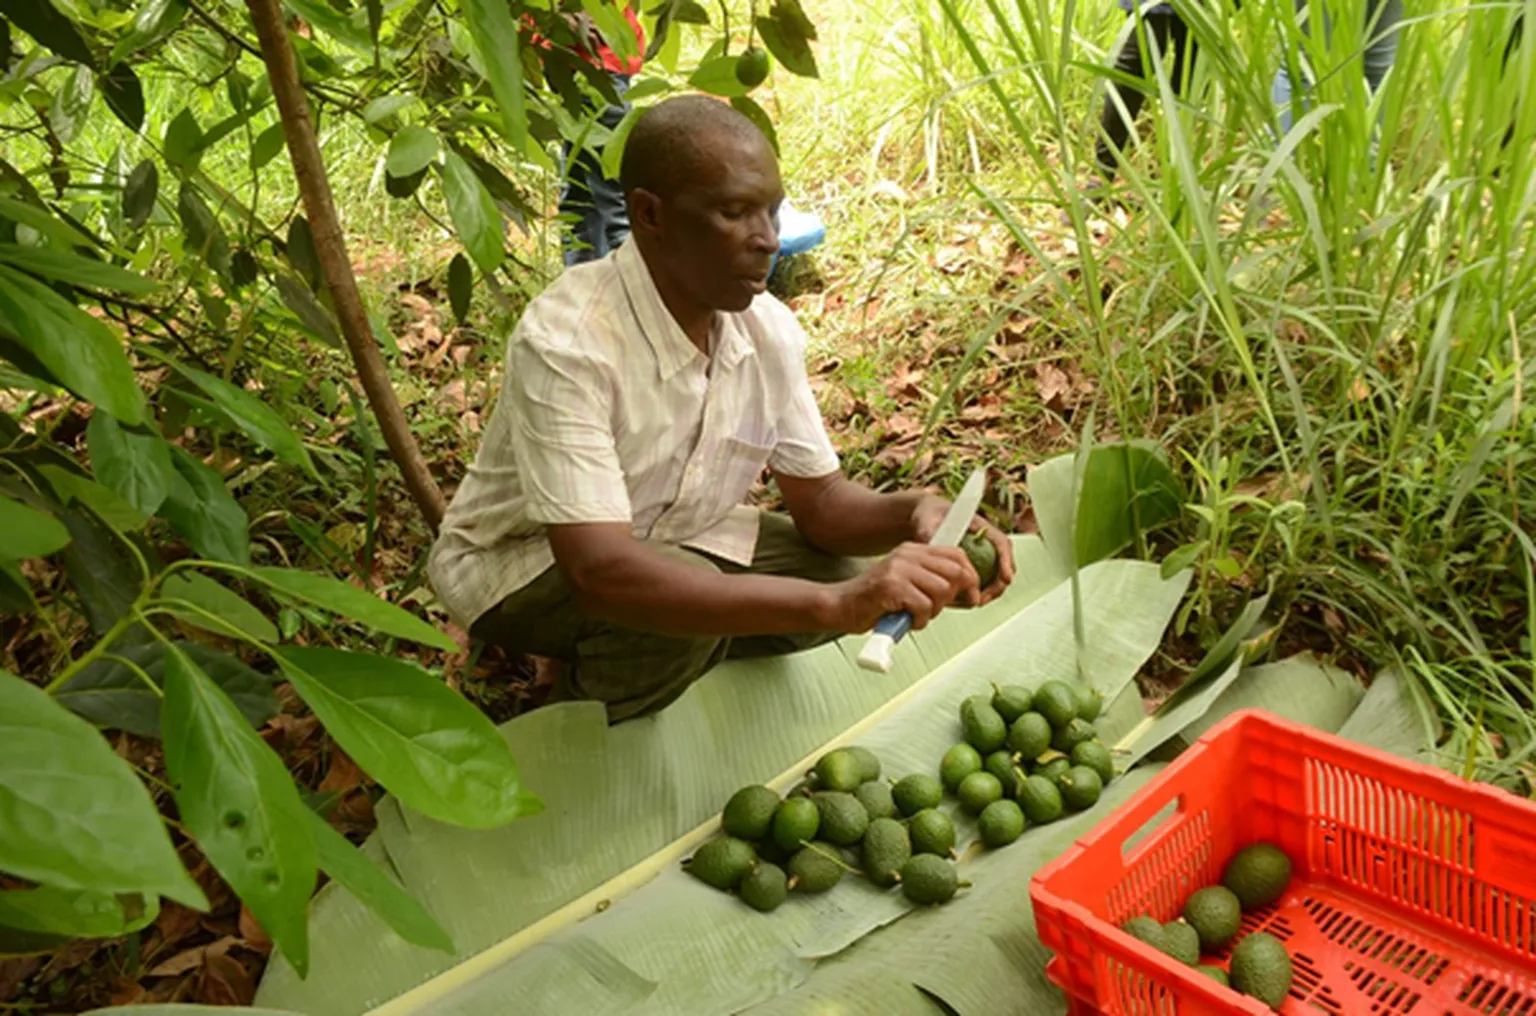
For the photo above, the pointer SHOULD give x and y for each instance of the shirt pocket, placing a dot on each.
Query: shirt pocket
(739, 461)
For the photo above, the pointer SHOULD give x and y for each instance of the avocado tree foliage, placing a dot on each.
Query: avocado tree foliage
(140, 280)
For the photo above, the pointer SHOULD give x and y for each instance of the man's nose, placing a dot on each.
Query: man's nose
(765, 234)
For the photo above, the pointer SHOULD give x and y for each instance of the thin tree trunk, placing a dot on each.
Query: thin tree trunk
(315, 188)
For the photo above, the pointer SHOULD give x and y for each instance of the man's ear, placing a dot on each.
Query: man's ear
(645, 211)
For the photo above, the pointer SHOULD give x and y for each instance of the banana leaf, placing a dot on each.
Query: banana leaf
(626, 803)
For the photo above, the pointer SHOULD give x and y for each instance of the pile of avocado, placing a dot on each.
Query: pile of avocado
(843, 818)
(1213, 918)
(1025, 758)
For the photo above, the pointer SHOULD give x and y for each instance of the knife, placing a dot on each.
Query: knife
(891, 628)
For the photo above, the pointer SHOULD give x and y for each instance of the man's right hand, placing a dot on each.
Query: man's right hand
(916, 577)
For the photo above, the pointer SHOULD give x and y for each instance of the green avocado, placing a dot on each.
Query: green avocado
(927, 879)
(887, 847)
(722, 863)
(748, 814)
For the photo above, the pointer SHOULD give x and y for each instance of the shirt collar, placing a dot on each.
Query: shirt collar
(669, 343)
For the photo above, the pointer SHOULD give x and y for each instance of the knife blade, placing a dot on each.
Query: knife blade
(892, 628)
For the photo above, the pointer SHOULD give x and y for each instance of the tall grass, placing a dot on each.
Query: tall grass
(1339, 310)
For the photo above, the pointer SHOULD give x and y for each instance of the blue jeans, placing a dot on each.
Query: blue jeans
(1381, 21)
(596, 202)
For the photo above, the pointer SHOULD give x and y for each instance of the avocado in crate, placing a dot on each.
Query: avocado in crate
(1313, 875)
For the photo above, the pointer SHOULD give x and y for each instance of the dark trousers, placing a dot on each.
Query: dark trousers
(1171, 37)
(592, 202)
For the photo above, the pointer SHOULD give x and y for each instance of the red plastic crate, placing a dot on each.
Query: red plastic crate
(1414, 891)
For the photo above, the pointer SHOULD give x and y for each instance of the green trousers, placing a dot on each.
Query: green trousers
(636, 672)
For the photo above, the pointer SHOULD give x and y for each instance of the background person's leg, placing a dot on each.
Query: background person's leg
(1382, 18)
(596, 201)
(1112, 122)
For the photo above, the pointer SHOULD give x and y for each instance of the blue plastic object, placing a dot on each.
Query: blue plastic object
(798, 232)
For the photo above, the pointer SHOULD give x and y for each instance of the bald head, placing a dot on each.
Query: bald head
(677, 142)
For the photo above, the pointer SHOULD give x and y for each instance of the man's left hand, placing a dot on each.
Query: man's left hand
(930, 512)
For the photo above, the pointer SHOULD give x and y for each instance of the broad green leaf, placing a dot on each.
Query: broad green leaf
(1124, 486)
(243, 269)
(340, 27)
(365, 880)
(72, 103)
(50, 27)
(718, 77)
(748, 107)
(474, 214)
(107, 579)
(125, 95)
(613, 149)
(205, 235)
(70, 487)
(498, 45)
(428, 745)
(84, 354)
(386, 106)
(136, 466)
(404, 187)
(647, 87)
(301, 253)
(54, 228)
(75, 815)
(357, 604)
(237, 800)
(76, 913)
(15, 591)
(259, 421)
(745, 722)
(153, 20)
(1183, 557)
(28, 532)
(690, 12)
(613, 26)
(461, 286)
(269, 145)
(788, 46)
(298, 298)
(219, 600)
(183, 145)
(139, 193)
(110, 694)
(63, 266)
(201, 508)
(411, 150)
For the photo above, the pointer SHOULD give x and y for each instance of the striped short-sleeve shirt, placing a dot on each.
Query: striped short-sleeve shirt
(608, 413)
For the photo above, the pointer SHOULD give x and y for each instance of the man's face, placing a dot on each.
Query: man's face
(716, 232)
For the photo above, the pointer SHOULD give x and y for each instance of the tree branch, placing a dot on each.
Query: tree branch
(330, 245)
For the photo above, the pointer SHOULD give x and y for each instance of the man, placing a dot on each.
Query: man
(602, 522)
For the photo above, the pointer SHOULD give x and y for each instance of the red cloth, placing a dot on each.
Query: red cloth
(605, 57)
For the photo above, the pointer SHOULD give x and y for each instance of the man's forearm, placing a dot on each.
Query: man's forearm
(651, 591)
(852, 520)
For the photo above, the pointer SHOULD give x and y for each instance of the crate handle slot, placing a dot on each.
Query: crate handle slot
(1153, 831)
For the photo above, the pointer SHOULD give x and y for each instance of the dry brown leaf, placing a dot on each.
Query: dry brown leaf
(254, 935)
(225, 981)
(343, 774)
(1052, 385)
